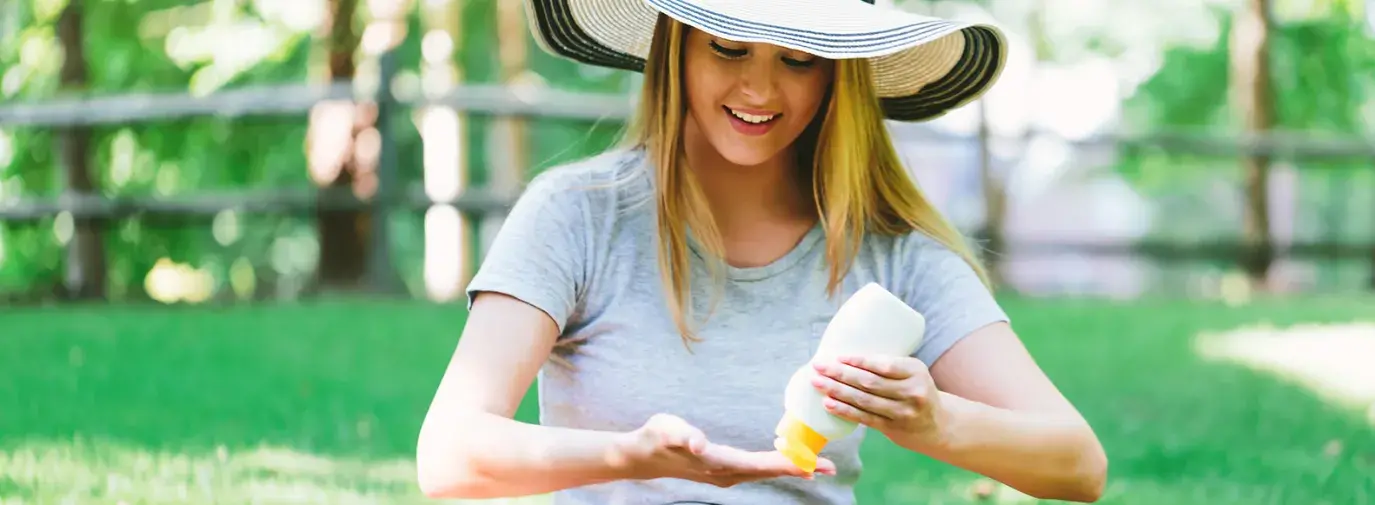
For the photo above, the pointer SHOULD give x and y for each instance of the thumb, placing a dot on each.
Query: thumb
(679, 433)
(825, 466)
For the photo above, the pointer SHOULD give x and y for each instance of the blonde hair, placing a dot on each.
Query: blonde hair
(858, 182)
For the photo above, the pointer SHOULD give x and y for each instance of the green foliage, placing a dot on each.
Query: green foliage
(1322, 73)
(1320, 70)
(28, 69)
(137, 47)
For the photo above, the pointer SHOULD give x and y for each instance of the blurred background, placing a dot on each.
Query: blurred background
(234, 236)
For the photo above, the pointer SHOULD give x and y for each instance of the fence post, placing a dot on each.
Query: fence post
(1252, 92)
(508, 147)
(381, 274)
(332, 133)
(994, 185)
(85, 269)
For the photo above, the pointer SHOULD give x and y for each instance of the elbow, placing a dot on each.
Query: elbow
(446, 480)
(1087, 481)
(440, 487)
(1081, 479)
(436, 488)
(1087, 488)
(1093, 474)
(444, 471)
(439, 480)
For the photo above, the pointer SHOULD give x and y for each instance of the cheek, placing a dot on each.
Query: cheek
(805, 96)
(702, 86)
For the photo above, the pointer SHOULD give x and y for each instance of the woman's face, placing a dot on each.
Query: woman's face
(751, 100)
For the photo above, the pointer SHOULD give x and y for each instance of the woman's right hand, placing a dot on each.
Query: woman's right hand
(668, 447)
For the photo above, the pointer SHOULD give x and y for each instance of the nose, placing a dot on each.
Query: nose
(757, 80)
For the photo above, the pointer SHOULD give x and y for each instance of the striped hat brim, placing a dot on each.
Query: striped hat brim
(923, 66)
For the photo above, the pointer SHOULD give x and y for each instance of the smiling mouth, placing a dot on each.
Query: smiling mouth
(751, 118)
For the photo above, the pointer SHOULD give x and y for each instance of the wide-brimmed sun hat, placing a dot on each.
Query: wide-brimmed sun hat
(923, 66)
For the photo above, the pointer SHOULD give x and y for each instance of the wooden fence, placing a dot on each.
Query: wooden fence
(297, 100)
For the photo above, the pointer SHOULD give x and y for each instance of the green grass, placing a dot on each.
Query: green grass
(321, 403)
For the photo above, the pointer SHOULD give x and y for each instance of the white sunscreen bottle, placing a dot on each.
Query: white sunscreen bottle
(872, 321)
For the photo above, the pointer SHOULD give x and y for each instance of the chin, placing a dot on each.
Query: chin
(745, 150)
(745, 155)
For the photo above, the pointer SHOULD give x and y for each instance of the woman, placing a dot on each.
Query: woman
(666, 291)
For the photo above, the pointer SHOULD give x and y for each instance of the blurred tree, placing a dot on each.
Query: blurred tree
(1321, 78)
(85, 248)
(334, 127)
(31, 261)
(1254, 101)
(512, 144)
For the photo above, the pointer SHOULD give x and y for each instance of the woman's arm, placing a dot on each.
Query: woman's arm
(984, 407)
(1005, 419)
(470, 447)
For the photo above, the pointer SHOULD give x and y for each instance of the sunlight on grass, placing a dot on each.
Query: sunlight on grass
(111, 473)
(321, 403)
(1331, 360)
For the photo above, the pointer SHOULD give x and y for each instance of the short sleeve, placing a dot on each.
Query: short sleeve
(947, 291)
(537, 255)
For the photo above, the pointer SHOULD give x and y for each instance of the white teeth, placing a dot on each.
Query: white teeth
(751, 118)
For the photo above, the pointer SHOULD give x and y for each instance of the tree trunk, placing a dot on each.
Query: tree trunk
(86, 271)
(1252, 88)
(995, 202)
(513, 55)
(334, 128)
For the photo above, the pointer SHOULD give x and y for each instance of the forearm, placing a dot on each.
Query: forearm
(1044, 455)
(487, 456)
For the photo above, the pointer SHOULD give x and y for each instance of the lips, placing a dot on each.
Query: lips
(751, 123)
(753, 116)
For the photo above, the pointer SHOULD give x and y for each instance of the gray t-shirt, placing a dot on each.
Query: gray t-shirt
(580, 245)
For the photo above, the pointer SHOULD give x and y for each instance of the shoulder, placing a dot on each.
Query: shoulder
(942, 284)
(914, 253)
(544, 250)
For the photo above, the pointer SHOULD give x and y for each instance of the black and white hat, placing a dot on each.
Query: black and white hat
(923, 66)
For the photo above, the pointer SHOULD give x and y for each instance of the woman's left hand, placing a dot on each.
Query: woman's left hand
(894, 395)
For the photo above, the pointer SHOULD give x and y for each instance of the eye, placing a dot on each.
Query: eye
(726, 51)
(796, 63)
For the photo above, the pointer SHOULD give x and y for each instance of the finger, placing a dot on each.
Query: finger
(695, 443)
(850, 413)
(861, 379)
(725, 460)
(885, 408)
(892, 367)
(825, 466)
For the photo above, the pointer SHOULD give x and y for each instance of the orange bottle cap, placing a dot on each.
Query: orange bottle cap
(798, 442)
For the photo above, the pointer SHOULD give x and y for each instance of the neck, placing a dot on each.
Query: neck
(743, 195)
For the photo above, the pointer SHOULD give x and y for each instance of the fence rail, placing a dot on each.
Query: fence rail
(299, 98)
(525, 101)
(477, 200)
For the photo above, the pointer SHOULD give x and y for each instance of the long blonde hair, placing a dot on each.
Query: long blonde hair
(858, 182)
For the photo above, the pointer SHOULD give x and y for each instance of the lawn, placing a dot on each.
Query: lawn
(320, 403)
